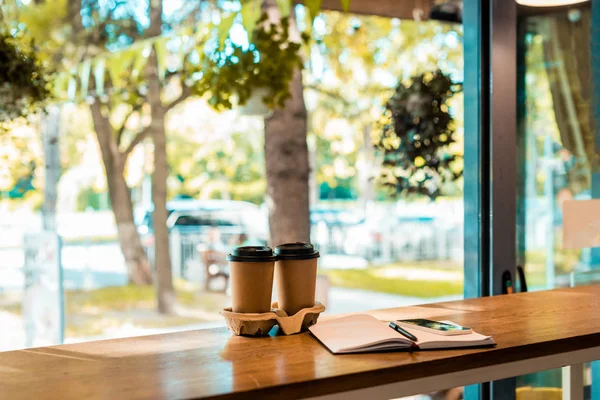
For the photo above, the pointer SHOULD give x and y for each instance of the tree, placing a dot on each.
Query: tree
(286, 159)
(136, 77)
(132, 73)
(20, 156)
(269, 63)
(114, 154)
(270, 38)
(117, 97)
(221, 161)
(416, 133)
(364, 59)
(24, 81)
(24, 90)
(115, 159)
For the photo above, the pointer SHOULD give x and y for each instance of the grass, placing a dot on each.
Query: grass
(130, 297)
(372, 279)
(441, 265)
(94, 312)
(98, 312)
(565, 262)
(85, 326)
(535, 274)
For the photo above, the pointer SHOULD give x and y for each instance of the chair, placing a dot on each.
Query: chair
(215, 265)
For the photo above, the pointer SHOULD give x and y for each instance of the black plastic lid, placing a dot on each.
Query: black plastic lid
(252, 254)
(296, 251)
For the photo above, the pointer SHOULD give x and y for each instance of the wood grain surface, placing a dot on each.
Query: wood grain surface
(213, 364)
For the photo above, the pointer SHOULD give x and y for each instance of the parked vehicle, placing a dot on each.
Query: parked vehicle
(187, 216)
(335, 216)
(335, 230)
(203, 231)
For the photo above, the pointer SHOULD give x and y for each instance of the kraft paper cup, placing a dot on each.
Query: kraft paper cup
(296, 276)
(251, 276)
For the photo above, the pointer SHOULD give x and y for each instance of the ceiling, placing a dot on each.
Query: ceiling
(404, 8)
(384, 8)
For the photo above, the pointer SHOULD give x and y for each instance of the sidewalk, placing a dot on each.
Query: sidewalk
(12, 332)
(343, 300)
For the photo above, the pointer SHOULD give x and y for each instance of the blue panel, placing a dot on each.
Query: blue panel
(473, 148)
(473, 179)
(596, 380)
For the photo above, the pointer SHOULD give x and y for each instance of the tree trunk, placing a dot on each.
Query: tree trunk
(74, 17)
(286, 157)
(165, 292)
(138, 269)
(50, 141)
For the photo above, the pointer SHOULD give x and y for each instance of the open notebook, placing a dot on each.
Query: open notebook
(364, 333)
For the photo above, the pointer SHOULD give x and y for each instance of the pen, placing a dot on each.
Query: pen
(507, 285)
(403, 332)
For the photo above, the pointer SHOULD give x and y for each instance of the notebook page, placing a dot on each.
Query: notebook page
(355, 332)
(432, 341)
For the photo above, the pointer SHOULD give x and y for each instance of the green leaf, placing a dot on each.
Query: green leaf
(345, 5)
(84, 77)
(72, 89)
(224, 27)
(140, 61)
(285, 7)
(161, 56)
(99, 75)
(250, 15)
(61, 86)
(314, 7)
(118, 65)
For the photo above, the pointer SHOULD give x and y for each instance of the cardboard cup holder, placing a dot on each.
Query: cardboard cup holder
(242, 324)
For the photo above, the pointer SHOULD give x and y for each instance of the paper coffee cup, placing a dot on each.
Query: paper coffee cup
(296, 276)
(251, 275)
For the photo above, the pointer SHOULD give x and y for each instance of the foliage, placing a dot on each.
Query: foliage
(24, 82)
(356, 63)
(191, 50)
(416, 132)
(217, 164)
(236, 70)
(20, 154)
(348, 48)
(101, 311)
(87, 199)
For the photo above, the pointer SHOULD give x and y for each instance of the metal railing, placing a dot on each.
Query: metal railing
(418, 241)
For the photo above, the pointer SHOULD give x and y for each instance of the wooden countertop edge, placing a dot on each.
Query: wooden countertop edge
(362, 380)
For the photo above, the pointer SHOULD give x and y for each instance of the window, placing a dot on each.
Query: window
(557, 152)
(386, 212)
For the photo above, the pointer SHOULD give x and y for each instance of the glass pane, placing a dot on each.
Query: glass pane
(380, 249)
(557, 147)
(147, 170)
(379, 113)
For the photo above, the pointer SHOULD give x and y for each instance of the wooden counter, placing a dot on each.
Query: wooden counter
(534, 331)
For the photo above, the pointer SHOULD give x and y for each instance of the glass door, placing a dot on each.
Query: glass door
(557, 156)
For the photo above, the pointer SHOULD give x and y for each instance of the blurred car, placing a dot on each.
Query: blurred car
(334, 216)
(190, 216)
(336, 231)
